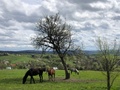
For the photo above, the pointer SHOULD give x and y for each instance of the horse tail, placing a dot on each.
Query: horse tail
(25, 77)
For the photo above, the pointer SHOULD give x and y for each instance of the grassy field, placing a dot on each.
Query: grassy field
(86, 80)
(13, 58)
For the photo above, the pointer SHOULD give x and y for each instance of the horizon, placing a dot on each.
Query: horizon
(37, 50)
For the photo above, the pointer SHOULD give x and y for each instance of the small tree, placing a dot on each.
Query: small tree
(108, 60)
(54, 34)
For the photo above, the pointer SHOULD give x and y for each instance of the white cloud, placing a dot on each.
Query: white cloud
(89, 18)
(50, 5)
(101, 5)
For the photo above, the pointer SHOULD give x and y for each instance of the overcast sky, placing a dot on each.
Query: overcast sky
(89, 19)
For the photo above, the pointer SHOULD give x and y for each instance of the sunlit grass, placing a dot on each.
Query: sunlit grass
(86, 80)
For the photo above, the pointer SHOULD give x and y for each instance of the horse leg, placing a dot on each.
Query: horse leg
(49, 77)
(54, 76)
(41, 78)
(32, 79)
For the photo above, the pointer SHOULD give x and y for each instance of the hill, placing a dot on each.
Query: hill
(39, 52)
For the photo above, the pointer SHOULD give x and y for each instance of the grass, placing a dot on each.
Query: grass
(14, 58)
(86, 80)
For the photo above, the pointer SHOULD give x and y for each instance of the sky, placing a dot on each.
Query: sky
(89, 19)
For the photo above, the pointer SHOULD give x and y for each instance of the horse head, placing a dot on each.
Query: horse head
(25, 77)
(24, 80)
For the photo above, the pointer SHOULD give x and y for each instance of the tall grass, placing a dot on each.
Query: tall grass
(86, 80)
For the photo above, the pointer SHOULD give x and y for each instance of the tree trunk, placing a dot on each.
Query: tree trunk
(108, 80)
(67, 74)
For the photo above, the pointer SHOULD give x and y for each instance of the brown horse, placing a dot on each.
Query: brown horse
(51, 74)
(32, 72)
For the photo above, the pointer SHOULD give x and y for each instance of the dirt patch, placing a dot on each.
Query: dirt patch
(75, 80)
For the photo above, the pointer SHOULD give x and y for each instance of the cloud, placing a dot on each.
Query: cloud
(89, 19)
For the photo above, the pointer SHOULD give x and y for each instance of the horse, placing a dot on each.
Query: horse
(51, 74)
(33, 72)
(74, 70)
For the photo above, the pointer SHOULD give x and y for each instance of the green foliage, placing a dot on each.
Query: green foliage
(13, 58)
(18, 59)
(23, 61)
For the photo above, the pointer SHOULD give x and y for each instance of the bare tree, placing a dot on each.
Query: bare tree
(53, 33)
(108, 60)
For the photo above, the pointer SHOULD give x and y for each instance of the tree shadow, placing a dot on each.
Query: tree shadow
(19, 81)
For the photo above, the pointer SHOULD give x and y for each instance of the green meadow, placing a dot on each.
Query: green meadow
(86, 80)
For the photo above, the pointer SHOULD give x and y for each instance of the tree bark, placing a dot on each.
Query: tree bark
(108, 80)
(67, 74)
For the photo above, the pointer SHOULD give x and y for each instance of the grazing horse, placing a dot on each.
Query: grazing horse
(51, 74)
(32, 72)
(74, 70)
